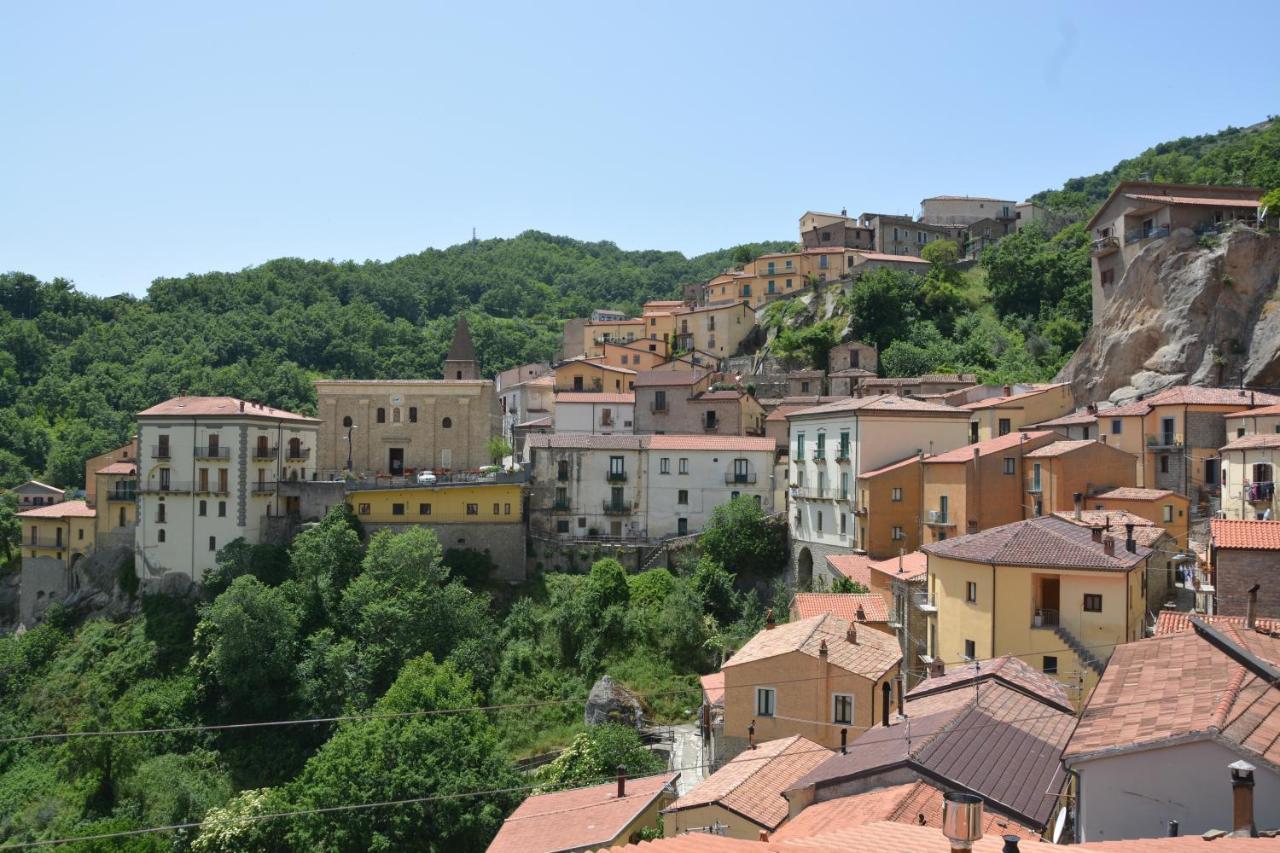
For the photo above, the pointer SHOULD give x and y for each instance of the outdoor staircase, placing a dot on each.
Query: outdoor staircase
(1086, 657)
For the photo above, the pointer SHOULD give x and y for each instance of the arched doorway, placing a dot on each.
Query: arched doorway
(804, 569)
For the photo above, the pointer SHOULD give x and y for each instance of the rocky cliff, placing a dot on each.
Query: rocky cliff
(1188, 310)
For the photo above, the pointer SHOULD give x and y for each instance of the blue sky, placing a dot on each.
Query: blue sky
(145, 140)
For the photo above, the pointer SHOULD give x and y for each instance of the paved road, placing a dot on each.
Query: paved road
(687, 757)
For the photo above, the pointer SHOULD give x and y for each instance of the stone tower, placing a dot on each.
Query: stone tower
(460, 363)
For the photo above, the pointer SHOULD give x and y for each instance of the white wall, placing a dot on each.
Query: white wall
(588, 417)
(1136, 795)
(705, 485)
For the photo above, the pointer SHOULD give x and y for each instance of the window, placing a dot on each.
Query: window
(222, 509)
(395, 415)
(1239, 432)
(1092, 603)
(1005, 426)
(971, 592)
(159, 517)
(970, 649)
(804, 388)
(821, 451)
(473, 509)
(381, 416)
(664, 465)
(413, 414)
(617, 467)
(562, 469)
(844, 485)
(424, 509)
(799, 445)
(843, 526)
(160, 535)
(213, 543)
(822, 262)
(363, 510)
(819, 525)
(397, 509)
(844, 445)
(897, 533)
(659, 401)
(80, 533)
(684, 465)
(203, 508)
(447, 423)
(1050, 666)
(495, 509)
(1164, 463)
(682, 496)
(1116, 426)
(506, 509)
(346, 421)
(1211, 470)
(766, 701)
(562, 525)
(842, 708)
(788, 284)
(1167, 512)
(1010, 465)
(223, 488)
(896, 494)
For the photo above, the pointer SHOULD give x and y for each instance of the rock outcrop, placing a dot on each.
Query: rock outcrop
(610, 702)
(1186, 311)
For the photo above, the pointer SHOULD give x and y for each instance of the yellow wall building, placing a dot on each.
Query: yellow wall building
(1168, 509)
(1056, 595)
(1013, 410)
(717, 329)
(1057, 472)
(888, 509)
(582, 374)
(63, 531)
(126, 453)
(117, 500)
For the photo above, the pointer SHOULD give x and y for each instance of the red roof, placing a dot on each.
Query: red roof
(993, 402)
(892, 466)
(880, 404)
(713, 688)
(1061, 448)
(1012, 671)
(914, 565)
(856, 567)
(991, 445)
(66, 509)
(1254, 442)
(1265, 410)
(577, 818)
(670, 377)
(852, 607)
(187, 407)
(1132, 493)
(1245, 535)
(594, 397)
(118, 468)
(881, 256)
(870, 654)
(1188, 199)
(1034, 542)
(1179, 621)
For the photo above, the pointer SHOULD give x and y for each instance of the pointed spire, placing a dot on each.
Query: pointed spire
(460, 362)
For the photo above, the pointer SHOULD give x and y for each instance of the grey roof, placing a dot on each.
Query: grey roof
(1044, 541)
(461, 349)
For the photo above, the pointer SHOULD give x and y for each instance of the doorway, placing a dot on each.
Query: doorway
(1046, 615)
(395, 461)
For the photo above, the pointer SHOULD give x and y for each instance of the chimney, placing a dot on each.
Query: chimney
(1129, 545)
(852, 634)
(844, 741)
(622, 781)
(1010, 844)
(937, 669)
(1078, 497)
(886, 696)
(861, 615)
(242, 405)
(1251, 609)
(1097, 533)
(1008, 390)
(1242, 825)
(1108, 524)
(822, 649)
(751, 735)
(1091, 409)
(961, 820)
(769, 623)
(764, 835)
(1109, 546)
(901, 568)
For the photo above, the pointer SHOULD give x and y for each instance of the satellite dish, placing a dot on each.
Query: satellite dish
(1059, 825)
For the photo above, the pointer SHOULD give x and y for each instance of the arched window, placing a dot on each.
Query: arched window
(382, 415)
(447, 423)
(160, 536)
(413, 414)
(395, 415)
(346, 422)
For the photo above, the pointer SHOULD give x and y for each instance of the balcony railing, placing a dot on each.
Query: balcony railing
(1165, 439)
(213, 452)
(298, 454)
(730, 478)
(1034, 485)
(266, 452)
(262, 487)
(710, 427)
(1044, 617)
(210, 489)
(924, 602)
(938, 518)
(812, 493)
(129, 495)
(616, 508)
(172, 486)
(160, 451)
(1134, 235)
(560, 505)
(616, 476)
(1104, 244)
(658, 408)
(44, 542)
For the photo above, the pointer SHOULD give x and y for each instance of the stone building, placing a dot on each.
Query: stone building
(1244, 554)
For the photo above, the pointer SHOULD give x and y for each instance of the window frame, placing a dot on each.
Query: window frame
(1089, 599)
(835, 707)
(971, 592)
(770, 709)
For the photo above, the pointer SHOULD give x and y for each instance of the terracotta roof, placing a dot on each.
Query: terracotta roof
(880, 404)
(737, 303)
(66, 509)
(948, 377)
(1073, 419)
(118, 468)
(588, 441)
(1131, 493)
(752, 783)
(805, 374)
(1062, 448)
(852, 607)
(713, 688)
(594, 397)
(1011, 671)
(996, 741)
(914, 565)
(851, 371)
(988, 447)
(1044, 541)
(718, 395)
(650, 378)
(1193, 395)
(1263, 411)
(892, 466)
(874, 653)
(1186, 199)
(1252, 442)
(711, 442)
(1179, 621)
(1245, 535)
(881, 256)
(596, 361)
(1145, 531)
(994, 402)
(1181, 686)
(915, 803)
(968, 198)
(577, 818)
(187, 407)
(856, 567)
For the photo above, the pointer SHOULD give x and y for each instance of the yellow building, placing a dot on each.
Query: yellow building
(125, 453)
(1013, 410)
(611, 330)
(62, 531)
(1059, 471)
(587, 374)
(636, 355)
(117, 500)
(716, 329)
(888, 509)
(1168, 509)
(1056, 595)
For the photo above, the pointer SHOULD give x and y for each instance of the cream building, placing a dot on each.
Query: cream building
(208, 469)
(595, 412)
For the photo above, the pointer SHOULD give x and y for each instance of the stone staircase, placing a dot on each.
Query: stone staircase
(1084, 654)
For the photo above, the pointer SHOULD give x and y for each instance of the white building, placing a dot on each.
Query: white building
(34, 493)
(598, 413)
(207, 474)
(525, 393)
(832, 444)
(643, 487)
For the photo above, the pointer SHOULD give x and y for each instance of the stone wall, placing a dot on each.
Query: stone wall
(44, 580)
(821, 570)
(504, 543)
(1237, 571)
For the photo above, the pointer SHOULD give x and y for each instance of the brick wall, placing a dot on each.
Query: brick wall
(1237, 570)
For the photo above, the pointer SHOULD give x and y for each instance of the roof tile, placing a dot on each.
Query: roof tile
(1044, 541)
(65, 509)
(1245, 535)
(874, 653)
(852, 607)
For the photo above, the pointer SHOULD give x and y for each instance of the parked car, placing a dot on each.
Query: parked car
(426, 478)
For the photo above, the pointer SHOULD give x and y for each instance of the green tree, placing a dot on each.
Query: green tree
(499, 449)
(595, 755)
(847, 585)
(742, 539)
(324, 560)
(881, 305)
(811, 344)
(10, 526)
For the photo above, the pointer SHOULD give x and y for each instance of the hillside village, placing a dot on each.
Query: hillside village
(1010, 610)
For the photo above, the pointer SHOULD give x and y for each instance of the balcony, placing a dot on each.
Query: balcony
(170, 487)
(710, 428)
(560, 505)
(266, 452)
(261, 487)
(1164, 441)
(860, 511)
(212, 452)
(1104, 245)
(924, 602)
(1034, 485)
(616, 508)
(812, 494)
(938, 518)
(616, 477)
(1135, 235)
(43, 542)
(126, 495)
(211, 489)
(842, 455)
(731, 478)
(1260, 493)
(298, 454)
(160, 451)
(1044, 617)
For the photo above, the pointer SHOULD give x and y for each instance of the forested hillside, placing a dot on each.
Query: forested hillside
(75, 368)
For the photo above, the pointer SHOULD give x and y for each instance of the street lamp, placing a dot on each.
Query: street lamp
(349, 429)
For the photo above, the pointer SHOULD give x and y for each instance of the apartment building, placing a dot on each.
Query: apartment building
(902, 235)
(1057, 595)
(1166, 508)
(964, 210)
(833, 444)
(603, 413)
(116, 498)
(592, 374)
(635, 355)
(716, 329)
(34, 493)
(1244, 556)
(525, 400)
(1249, 476)
(849, 362)
(207, 474)
(977, 486)
(54, 537)
(1081, 424)
(686, 402)
(1138, 213)
(830, 230)
(124, 453)
(1016, 407)
(641, 487)
(888, 507)
(1176, 435)
(1058, 472)
(1162, 571)
(862, 263)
